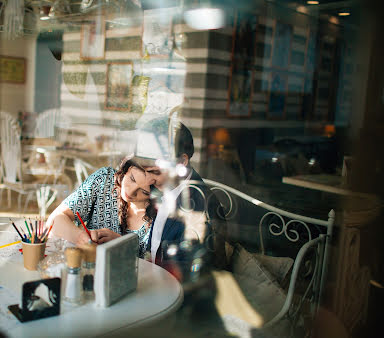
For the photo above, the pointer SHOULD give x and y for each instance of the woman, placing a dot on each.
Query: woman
(112, 203)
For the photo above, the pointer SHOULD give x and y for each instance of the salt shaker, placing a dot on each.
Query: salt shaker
(88, 270)
(72, 286)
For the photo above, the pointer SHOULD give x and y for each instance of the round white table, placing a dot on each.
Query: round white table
(158, 295)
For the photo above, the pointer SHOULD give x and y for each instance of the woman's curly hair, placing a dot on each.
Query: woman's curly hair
(150, 210)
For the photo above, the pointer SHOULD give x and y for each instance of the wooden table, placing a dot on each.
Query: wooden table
(157, 296)
(322, 182)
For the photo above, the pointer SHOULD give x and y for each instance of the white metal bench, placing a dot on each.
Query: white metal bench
(311, 239)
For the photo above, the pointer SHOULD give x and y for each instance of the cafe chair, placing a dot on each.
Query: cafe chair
(49, 122)
(13, 179)
(32, 185)
(54, 124)
(82, 170)
(45, 123)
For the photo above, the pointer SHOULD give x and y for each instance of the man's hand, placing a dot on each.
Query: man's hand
(106, 235)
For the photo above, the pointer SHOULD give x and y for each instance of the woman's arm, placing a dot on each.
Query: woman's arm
(64, 226)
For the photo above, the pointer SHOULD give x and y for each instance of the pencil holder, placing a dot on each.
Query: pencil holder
(33, 254)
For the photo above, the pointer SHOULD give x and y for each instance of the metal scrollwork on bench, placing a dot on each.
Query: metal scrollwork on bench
(228, 205)
(284, 227)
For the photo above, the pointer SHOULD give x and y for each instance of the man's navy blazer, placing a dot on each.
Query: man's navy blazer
(173, 231)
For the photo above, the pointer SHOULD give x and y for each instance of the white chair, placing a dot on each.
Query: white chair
(82, 170)
(13, 179)
(45, 123)
(42, 188)
(52, 123)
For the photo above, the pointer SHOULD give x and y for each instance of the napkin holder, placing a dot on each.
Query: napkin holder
(35, 307)
(116, 269)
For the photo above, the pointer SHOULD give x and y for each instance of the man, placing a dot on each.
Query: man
(188, 234)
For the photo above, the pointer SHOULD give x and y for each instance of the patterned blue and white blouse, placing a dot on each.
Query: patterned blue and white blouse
(97, 203)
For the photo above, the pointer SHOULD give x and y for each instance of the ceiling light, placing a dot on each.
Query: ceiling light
(312, 2)
(302, 9)
(344, 13)
(205, 18)
(334, 20)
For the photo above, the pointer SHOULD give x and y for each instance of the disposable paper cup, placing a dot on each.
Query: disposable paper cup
(33, 254)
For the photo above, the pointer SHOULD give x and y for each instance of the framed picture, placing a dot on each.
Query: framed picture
(240, 94)
(139, 93)
(327, 54)
(244, 36)
(12, 69)
(241, 74)
(294, 104)
(158, 36)
(92, 43)
(118, 87)
(265, 31)
(311, 51)
(277, 96)
(299, 44)
(282, 41)
(308, 97)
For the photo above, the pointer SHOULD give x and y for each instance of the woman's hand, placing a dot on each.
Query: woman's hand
(83, 237)
(106, 235)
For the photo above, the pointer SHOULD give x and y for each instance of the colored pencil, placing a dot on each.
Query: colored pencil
(24, 234)
(36, 234)
(84, 226)
(17, 230)
(30, 224)
(26, 224)
(46, 236)
(5, 245)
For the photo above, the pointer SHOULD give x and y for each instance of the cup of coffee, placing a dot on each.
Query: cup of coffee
(33, 253)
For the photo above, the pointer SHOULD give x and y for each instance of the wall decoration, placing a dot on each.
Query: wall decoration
(311, 49)
(244, 36)
(139, 93)
(118, 88)
(277, 96)
(243, 59)
(294, 96)
(157, 39)
(240, 93)
(299, 43)
(308, 97)
(12, 69)
(327, 54)
(265, 30)
(92, 44)
(165, 89)
(281, 45)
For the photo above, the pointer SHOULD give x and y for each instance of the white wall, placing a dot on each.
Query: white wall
(19, 97)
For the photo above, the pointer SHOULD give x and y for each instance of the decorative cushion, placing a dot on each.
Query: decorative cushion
(278, 267)
(260, 287)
